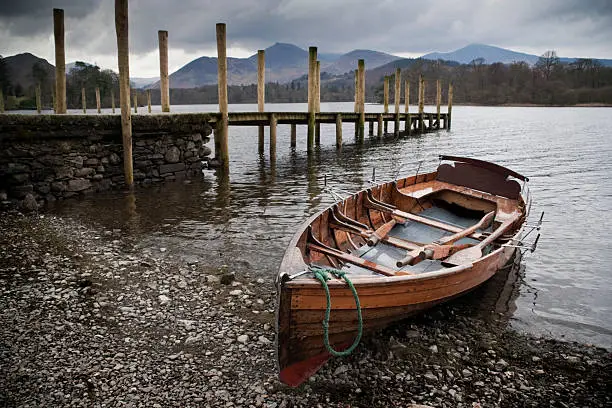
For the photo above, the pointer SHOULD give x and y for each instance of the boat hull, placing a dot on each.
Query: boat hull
(382, 304)
(345, 235)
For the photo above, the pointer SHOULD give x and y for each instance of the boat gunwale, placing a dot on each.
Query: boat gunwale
(293, 257)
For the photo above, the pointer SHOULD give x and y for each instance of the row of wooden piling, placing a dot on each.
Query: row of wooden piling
(222, 122)
(38, 96)
(60, 105)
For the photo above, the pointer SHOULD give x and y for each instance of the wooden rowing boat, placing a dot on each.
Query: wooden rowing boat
(404, 245)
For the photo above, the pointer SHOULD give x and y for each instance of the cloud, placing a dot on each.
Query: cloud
(568, 26)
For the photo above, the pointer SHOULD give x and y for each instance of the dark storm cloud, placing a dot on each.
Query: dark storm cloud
(33, 7)
(573, 27)
(391, 25)
(31, 17)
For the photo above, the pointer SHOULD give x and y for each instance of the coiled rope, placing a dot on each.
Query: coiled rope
(323, 275)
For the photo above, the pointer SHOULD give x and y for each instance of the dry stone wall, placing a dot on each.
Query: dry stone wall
(51, 157)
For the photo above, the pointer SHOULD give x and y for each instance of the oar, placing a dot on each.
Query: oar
(381, 232)
(483, 223)
(444, 246)
(471, 254)
(402, 216)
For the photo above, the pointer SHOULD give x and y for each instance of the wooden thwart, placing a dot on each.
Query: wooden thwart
(315, 245)
(343, 223)
(371, 203)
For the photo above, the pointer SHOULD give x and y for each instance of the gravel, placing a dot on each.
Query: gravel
(88, 319)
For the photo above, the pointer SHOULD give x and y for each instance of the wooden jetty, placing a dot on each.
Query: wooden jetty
(419, 122)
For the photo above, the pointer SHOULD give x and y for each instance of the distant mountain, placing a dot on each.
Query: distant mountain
(284, 62)
(143, 82)
(329, 57)
(20, 69)
(490, 54)
(493, 54)
(281, 55)
(348, 61)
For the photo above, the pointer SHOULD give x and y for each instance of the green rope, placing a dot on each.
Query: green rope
(322, 274)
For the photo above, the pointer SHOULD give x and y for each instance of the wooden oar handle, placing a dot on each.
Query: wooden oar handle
(414, 257)
(381, 233)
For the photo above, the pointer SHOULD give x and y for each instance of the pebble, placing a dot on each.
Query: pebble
(263, 340)
(85, 315)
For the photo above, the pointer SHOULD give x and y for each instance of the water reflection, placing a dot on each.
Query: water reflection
(496, 299)
(227, 219)
(133, 217)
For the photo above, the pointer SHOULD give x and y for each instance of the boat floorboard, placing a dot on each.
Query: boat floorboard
(387, 255)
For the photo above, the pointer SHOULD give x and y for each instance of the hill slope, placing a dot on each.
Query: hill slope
(348, 61)
(284, 62)
(20, 69)
(490, 54)
(493, 54)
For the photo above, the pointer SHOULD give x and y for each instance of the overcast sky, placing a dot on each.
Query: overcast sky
(573, 28)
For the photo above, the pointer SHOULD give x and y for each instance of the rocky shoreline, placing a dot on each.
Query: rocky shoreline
(89, 318)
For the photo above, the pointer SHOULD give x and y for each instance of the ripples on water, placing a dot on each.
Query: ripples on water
(247, 221)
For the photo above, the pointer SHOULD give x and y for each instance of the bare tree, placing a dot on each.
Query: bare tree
(547, 63)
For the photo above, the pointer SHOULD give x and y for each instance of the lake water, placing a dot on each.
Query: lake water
(247, 220)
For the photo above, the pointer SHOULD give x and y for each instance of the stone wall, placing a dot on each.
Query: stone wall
(50, 157)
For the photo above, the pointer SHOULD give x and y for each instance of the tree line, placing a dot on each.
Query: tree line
(548, 82)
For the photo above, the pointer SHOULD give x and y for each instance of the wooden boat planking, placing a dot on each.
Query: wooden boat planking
(385, 299)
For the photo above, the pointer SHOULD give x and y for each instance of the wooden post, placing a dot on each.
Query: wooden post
(356, 109)
(121, 27)
(60, 61)
(1, 101)
(221, 142)
(312, 71)
(113, 100)
(293, 135)
(407, 109)
(338, 130)
(98, 102)
(273, 123)
(421, 103)
(261, 93)
(164, 81)
(386, 99)
(380, 125)
(450, 106)
(38, 104)
(361, 83)
(371, 128)
(438, 101)
(318, 101)
(84, 100)
(149, 100)
(398, 95)
(135, 101)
